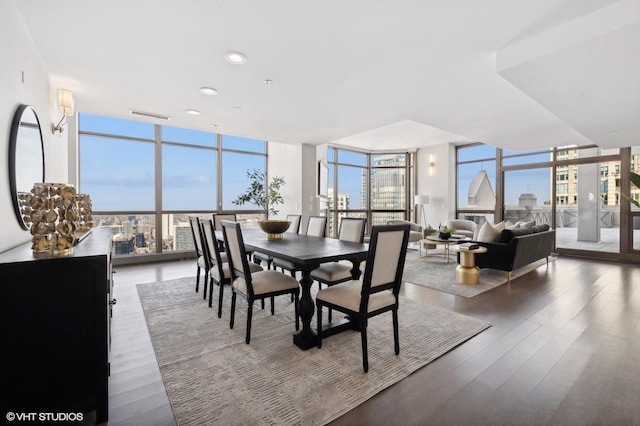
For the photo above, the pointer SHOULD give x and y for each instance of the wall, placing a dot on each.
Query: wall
(284, 160)
(19, 55)
(438, 182)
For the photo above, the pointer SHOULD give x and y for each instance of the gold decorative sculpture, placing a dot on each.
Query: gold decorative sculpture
(52, 215)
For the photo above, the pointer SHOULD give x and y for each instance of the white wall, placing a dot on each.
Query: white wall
(438, 182)
(19, 55)
(285, 161)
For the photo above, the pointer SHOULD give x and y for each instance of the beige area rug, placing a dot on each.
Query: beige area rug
(434, 272)
(213, 377)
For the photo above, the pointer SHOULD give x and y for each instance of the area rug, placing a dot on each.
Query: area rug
(433, 271)
(213, 377)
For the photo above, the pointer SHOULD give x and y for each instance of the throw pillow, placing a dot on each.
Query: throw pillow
(510, 225)
(524, 224)
(489, 233)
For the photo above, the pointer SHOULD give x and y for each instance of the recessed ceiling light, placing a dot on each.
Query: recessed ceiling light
(210, 91)
(235, 58)
(268, 82)
(237, 108)
(215, 126)
(192, 112)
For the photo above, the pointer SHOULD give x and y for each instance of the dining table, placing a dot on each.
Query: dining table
(307, 253)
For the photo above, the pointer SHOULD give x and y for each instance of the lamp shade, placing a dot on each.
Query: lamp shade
(65, 100)
(421, 199)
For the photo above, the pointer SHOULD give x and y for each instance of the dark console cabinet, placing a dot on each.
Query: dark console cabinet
(54, 329)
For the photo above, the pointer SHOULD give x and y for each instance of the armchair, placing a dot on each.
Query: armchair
(462, 227)
(416, 232)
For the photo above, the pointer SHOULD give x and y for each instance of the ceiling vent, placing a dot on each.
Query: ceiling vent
(150, 115)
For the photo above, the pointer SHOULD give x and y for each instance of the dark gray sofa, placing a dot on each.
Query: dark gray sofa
(515, 248)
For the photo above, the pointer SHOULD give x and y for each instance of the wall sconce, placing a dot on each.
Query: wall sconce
(432, 165)
(65, 101)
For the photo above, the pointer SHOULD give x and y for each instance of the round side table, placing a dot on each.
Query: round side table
(467, 272)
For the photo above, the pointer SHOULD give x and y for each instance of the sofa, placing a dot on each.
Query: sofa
(516, 248)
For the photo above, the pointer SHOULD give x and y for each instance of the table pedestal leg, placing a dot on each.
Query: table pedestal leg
(307, 337)
(467, 271)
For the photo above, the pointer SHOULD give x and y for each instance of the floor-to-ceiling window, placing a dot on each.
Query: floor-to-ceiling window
(576, 190)
(476, 182)
(145, 180)
(375, 186)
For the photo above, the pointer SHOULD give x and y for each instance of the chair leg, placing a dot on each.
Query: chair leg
(197, 278)
(365, 355)
(204, 287)
(273, 308)
(319, 316)
(295, 307)
(233, 308)
(211, 291)
(220, 300)
(249, 315)
(396, 336)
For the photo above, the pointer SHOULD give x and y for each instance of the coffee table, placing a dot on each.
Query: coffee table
(467, 272)
(434, 240)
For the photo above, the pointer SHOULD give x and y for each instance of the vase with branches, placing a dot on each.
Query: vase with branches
(635, 179)
(266, 196)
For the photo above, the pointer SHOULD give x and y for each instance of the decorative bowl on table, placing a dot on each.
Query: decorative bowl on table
(274, 228)
(444, 235)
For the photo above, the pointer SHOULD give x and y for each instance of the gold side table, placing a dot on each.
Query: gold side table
(467, 272)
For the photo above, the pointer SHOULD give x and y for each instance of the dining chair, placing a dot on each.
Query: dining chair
(217, 219)
(316, 227)
(378, 290)
(294, 228)
(196, 233)
(218, 266)
(253, 286)
(351, 229)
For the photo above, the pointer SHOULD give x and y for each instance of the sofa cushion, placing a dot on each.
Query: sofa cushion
(524, 223)
(507, 234)
(489, 233)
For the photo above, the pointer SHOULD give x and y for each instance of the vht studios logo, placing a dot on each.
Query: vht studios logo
(44, 417)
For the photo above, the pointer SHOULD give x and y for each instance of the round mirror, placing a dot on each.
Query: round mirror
(26, 156)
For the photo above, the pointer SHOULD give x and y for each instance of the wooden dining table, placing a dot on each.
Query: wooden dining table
(306, 253)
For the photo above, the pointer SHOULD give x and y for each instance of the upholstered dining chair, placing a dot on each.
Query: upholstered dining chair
(219, 272)
(316, 227)
(378, 290)
(253, 286)
(194, 222)
(217, 219)
(351, 229)
(294, 228)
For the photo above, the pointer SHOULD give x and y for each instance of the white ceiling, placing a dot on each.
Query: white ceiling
(371, 74)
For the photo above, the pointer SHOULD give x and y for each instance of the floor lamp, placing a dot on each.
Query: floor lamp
(421, 200)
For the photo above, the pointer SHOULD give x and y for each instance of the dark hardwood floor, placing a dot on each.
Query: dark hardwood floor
(564, 349)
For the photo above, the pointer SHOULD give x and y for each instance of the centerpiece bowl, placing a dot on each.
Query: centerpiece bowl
(274, 228)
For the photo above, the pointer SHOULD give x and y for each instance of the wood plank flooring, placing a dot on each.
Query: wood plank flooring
(564, 349)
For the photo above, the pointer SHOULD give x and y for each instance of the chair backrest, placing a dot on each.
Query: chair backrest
(197, 234)
(219, 217)
(294, 228)
(385, 261)
(236, 253)
(317, 226)
(352, 229)
(211, 246)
